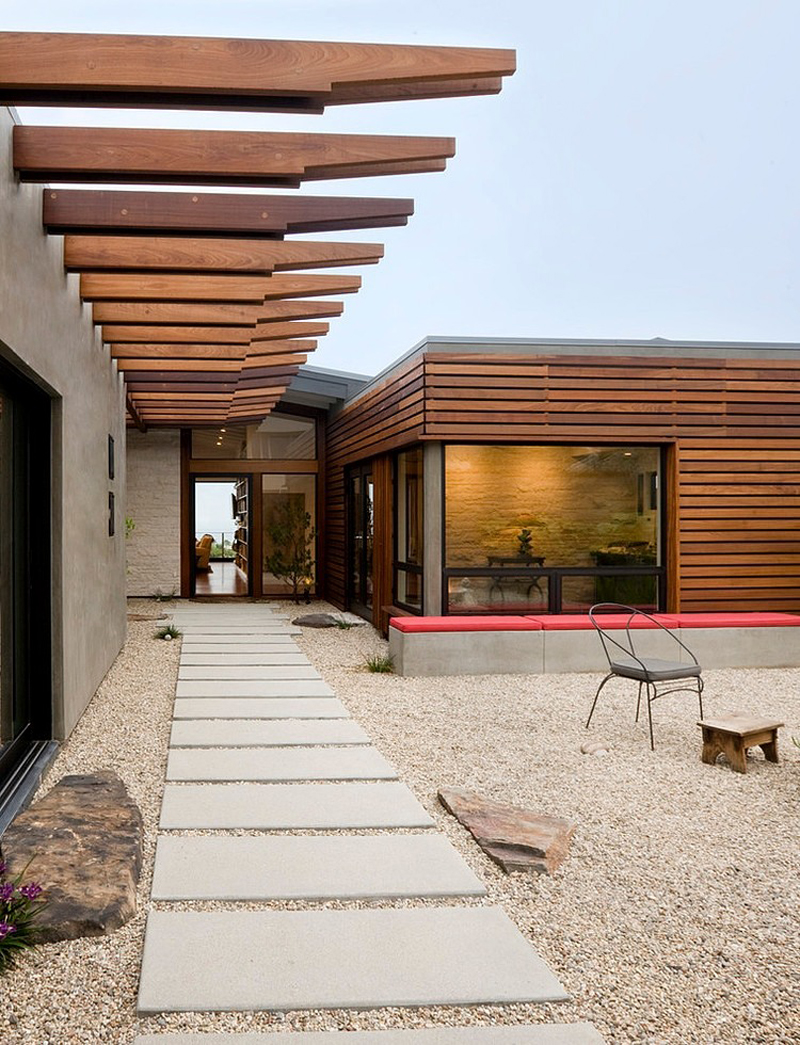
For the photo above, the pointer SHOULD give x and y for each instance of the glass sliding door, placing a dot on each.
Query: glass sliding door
(289, 534)
(408, 530)
(24, 580)
(360, 520)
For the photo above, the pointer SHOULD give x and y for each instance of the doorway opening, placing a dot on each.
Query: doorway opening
(221, 534)
(360, 520)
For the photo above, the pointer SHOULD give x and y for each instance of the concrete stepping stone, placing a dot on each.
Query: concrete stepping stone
(518, 1034)
(236, 672)
(248, 733)
(225, 961)
(321, 867)
(254, 688)
(235, 649)
(263, 708)
(246, 638)
(243, 629)
(278, 764)
(217, 657)
(290, 807)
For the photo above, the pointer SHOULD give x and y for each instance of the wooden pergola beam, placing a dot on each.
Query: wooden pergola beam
(70, 69)
(154, 350)
(190, 254)
(221, 214)
(133, 413)
(200, 314)
(139, 286)
(210, 335)
(199, 157)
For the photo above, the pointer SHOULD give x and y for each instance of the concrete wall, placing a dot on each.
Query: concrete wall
(47, 334)
(154, 504)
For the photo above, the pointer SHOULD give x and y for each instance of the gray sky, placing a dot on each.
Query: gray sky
(637, 177)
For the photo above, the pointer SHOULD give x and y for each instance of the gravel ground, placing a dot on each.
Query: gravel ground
(673, 921)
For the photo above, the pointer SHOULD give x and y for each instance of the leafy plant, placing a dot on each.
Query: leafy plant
(164, 596)
(20, 906)
(525, 542)
(130, 526)
(381, 663)
(289, 535)
(169, 631)
(344, 625)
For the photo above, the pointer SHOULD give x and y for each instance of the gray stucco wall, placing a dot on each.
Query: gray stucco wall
(154, 504)
(47, 334)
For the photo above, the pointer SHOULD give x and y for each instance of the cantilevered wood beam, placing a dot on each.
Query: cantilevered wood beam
(200, 314)
(154, 350)
(199, 157)
(210, 335)
(102, 286)
(233, 365)
(179, 254)
(133, 413)
(221, 214)
(69, 69)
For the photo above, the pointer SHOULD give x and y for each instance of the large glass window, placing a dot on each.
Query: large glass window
(361, 526)
(408, 529)
(279, 437)
(289, 537)
(552, 527)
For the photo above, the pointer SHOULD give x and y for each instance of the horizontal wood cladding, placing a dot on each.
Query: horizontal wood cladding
(736, 425)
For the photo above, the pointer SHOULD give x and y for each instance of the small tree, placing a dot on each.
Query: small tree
(289, 534)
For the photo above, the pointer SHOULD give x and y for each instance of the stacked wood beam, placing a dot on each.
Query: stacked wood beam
(197, 293)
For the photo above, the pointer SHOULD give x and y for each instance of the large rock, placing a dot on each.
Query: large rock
(517, 839)
(84, 844)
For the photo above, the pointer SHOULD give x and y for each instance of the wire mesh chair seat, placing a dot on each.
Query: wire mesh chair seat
(625, 662)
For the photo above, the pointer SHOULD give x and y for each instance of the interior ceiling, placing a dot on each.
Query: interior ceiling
(196, 293)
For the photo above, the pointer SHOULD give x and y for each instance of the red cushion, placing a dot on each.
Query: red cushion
(737, 620)
(581, 622)
(426, 624)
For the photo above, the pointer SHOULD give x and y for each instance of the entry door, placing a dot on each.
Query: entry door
(361, 502)
(221, 538)
(24, 579)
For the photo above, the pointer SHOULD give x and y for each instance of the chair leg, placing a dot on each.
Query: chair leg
(700, 695)
(638, 701)
(597, 694)
(650, 714)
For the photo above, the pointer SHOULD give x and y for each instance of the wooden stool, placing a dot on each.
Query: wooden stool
(732, 735)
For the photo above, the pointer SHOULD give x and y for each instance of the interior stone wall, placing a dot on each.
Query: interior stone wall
(154, 507)
(47, 335)
(575, 500)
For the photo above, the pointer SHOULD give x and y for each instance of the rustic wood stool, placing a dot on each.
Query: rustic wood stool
(732, 735)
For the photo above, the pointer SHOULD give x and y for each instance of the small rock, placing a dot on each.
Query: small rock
(594, 747)
(315, 620)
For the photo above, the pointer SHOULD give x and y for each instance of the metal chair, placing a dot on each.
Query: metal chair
(650, 672)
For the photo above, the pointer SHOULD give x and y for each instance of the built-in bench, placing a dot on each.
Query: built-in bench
(542, 643)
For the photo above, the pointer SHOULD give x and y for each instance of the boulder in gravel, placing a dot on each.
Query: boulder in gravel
(594, 747)
(517, 839)
(325, 620)
(84, 844)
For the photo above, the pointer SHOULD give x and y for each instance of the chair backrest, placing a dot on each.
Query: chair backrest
(629, 614)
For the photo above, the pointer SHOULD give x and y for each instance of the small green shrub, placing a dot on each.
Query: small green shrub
(20, 906)
(164, 596)
(381, 663)
(345, 625)
(169, 631)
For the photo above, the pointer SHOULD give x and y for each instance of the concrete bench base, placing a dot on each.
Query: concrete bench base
(552, 652)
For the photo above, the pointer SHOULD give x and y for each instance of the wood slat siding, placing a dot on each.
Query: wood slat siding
(733, 538)
(388, 417)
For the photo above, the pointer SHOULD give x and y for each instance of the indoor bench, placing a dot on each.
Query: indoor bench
(544, 643)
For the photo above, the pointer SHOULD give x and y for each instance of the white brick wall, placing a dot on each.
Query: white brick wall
(154, 504)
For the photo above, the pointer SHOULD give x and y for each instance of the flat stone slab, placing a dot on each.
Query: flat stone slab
(290, 806)
(236, 630)
(218, 657)
(251, 673)
(286, 733)
(241, 638)
(235, 649)
(223, 961)
(321, 867)
(263, 708)
(517, 839)
(267, 764)
(84, 844)
(281, 688)
(519, 1034)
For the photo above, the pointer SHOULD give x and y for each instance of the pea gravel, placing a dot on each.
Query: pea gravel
(674, 920)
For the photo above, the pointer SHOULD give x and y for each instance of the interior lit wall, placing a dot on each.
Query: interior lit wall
(574, 499)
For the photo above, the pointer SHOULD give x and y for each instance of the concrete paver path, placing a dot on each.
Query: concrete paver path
(261, 743)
